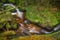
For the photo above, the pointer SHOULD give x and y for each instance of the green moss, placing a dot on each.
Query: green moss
(42, 15)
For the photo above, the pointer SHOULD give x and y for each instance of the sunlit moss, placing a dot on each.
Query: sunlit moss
(42, 15)
(36, 37)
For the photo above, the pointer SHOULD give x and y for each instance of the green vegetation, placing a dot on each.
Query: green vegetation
(40, 11)
(43, 15)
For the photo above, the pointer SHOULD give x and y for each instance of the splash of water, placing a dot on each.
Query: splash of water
(19, 13)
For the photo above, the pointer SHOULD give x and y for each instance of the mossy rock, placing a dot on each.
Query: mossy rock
(7, 33)
(43, 15)
(35, 37)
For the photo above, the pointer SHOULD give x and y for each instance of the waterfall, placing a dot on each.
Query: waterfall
(18, 13)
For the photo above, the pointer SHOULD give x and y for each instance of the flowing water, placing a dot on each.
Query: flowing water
(20, 15)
